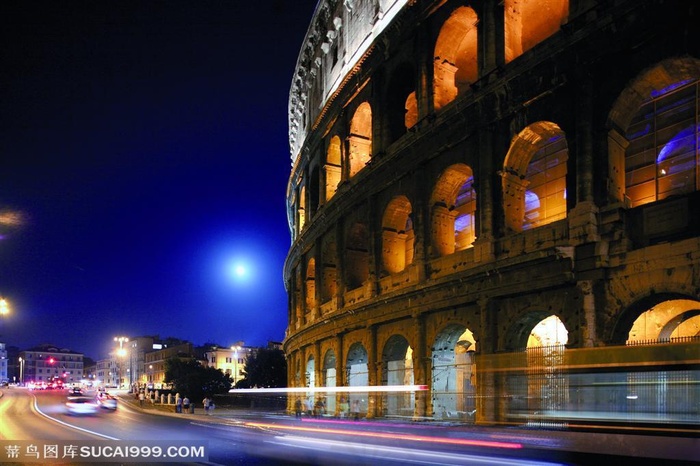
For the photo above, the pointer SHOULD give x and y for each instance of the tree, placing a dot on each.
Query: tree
(264, 367)
(191, 379)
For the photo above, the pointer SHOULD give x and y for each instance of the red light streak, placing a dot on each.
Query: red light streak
(411, 438)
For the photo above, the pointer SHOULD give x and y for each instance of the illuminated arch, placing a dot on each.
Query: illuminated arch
(301, 210)
(360, 139)
(529, 22)
(397, 369)
(330, 378)
(333, 167)
(453, 211)
(534, 177)
(453, 374)
(667, 320)
(455, 63)
(357, 371)
(310, 287)
(398, 238)
(402, 106)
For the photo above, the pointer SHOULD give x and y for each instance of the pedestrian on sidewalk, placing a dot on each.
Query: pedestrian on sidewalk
(178, 403)
(186, 404)
(141, 398)
(205, 402)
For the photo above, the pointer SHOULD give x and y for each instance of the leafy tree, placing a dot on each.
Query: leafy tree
(264, 367)
(193, 380)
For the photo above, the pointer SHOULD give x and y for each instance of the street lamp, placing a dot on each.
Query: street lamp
(235, 363)
(21, 371)
(121, 352)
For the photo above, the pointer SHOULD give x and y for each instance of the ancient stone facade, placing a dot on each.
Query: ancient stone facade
(464, 171)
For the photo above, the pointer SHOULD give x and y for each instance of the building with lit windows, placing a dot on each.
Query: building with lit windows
(4, 372)
(475, 178)
(231, 361)
(44, 364)
(155, 363)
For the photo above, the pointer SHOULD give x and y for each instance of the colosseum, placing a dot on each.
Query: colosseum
(475, 179)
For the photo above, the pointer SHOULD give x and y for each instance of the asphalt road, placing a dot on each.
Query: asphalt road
(245, 438)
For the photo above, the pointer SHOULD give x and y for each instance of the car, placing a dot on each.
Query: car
(81, 405)
(75, 391)
(106, 401)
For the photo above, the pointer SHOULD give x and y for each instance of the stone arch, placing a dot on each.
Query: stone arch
(529, 22)
(526, 331)
(356, 255)
(357, 370)
(310, 288)
(534, 177)
(360, 139)
(672, 318)
(453, 376)
(453, 211)
(301, 210)
(620, 333)
(397, 369)
(653, 134)
(398, 239)
(400, 101)
(333, 167)
(310, 374)
(330, 379)
(328, 283)
(455, 64)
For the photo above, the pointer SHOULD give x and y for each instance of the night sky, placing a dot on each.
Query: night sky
(144, 157)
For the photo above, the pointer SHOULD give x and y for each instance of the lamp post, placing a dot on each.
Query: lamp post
(21, 371)
(121, 352)
(235, 363)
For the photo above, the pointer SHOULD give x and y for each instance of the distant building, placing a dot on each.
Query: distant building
(46, 363)
(230, 361)
(154, 363)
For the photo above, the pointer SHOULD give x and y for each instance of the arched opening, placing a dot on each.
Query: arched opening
(397, 369)
(397, 235)
(402, 106)
(661, 158)
(329, 284)
(529, 22)
(453, 375)
(356, 255)
(534, 177)
(310, 377)
(547, 385)
(333, 167)
(310, 289)
(671, 320)
(453, 204)
(301, 211)
(357, 375)
(360, 139)
(651, 152)
(329, 379)
(455, 64)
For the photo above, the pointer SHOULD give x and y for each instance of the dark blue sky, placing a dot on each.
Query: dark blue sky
(145, 145)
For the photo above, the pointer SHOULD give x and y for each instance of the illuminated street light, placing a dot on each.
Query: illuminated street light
(235, 349)
(21, 371)
(4, 307)
(121, 352)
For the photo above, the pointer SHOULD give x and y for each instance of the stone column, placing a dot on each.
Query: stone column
(420, 372)
(372, 371)
(487, 384)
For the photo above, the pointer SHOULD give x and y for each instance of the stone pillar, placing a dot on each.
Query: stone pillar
(588, 337)
(487, 384)
(484, 250)
(372, 371)
(420, 372)
(340, 375)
